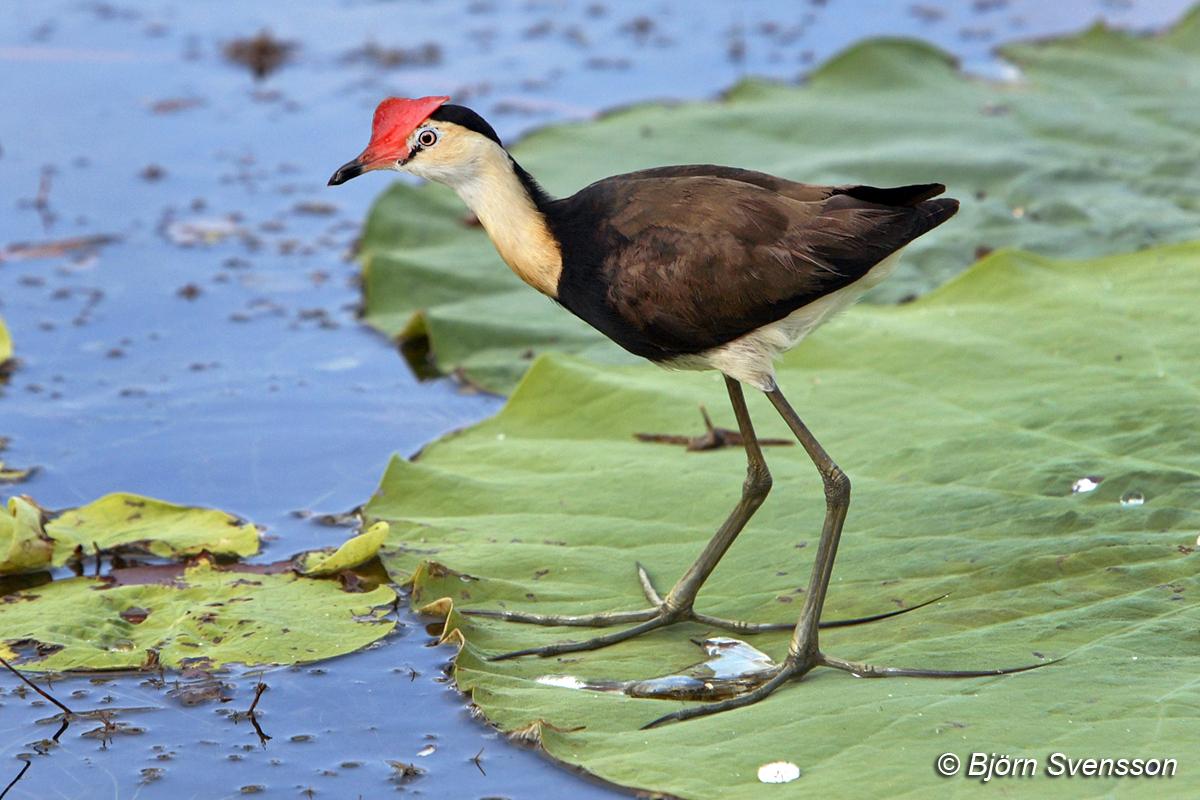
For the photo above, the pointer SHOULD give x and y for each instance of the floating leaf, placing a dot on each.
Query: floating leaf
(353, 552)
(6, 349)
(24, 546)
(11, 474)
(964, 419)
(143, 524)
(1095, 150)
(178, 617)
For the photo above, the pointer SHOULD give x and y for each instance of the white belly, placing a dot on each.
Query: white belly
(751, 358)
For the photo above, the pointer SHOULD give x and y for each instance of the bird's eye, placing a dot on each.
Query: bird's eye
(427, 138)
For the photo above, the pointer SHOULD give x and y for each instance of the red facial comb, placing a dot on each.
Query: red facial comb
(395, 119)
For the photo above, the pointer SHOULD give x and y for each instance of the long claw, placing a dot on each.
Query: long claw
(846, 623)
(601, 620)
(870, 671)
(769, 627)
(789, 671)
(648, 587)
(595, 643)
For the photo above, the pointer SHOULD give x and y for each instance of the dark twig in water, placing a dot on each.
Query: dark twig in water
(36, 688)
(66, 721)
(14, 781)
(477, 760)
(250, 714)
(258, 693)
(713, 438)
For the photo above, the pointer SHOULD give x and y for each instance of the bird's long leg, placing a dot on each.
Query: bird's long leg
(803, 646)
(757, 485)
(803, 651)
(678, 605)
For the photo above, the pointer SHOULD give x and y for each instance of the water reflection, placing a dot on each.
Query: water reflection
(732, 667)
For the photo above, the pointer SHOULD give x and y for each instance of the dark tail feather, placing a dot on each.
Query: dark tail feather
(896, 196)
(938, 211)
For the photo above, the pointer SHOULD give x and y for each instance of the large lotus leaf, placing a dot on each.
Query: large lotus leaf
(198, 615)
(132, 522)
(964, 419)
(1095, 150)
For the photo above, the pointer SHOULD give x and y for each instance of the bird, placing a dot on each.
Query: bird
(693, 267)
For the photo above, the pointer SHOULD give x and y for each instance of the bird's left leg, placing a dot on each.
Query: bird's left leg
(678, 605)
(804, 652)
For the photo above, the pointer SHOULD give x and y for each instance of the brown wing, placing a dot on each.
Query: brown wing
(688, 260)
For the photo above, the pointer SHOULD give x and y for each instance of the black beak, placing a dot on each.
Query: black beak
(351, 169)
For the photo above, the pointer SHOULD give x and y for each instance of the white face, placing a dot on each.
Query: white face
(448, 153)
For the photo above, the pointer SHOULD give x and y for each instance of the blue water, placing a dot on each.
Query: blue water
(235, 374)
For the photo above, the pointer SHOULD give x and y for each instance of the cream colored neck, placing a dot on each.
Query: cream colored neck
(519, 231)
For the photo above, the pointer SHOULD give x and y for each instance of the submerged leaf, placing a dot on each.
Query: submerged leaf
(199, 616)
(143, 524)
(1094, 151)
(964, 420)
(353, 552)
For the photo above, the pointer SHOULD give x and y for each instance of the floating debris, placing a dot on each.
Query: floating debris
(733, 667)
(26, 251)
(172, 105)
(427, 54)
(1086, 484)
(315, 208)
(1132, 499)
(713, 438)
(193, 232)
(403, 772)
(198, 686)
(262, 54)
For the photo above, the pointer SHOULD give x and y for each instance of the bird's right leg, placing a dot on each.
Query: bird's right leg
(678, 604)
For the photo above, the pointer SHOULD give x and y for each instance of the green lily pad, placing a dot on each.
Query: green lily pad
(966, 420)
(131, 522)
(354, 552)
(176, 617)
(1095, 150)
(119, 523)
(24, 545)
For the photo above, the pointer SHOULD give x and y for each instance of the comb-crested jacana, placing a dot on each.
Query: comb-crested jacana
(693, 267)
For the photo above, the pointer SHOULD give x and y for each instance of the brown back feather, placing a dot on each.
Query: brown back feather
(676, 260)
